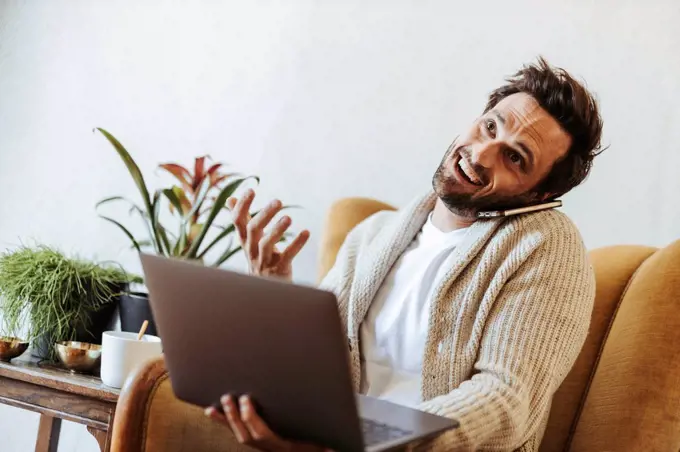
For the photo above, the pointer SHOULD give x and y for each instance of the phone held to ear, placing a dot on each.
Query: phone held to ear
(519, 210)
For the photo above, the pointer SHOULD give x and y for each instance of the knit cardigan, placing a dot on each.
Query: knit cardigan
(506, 322)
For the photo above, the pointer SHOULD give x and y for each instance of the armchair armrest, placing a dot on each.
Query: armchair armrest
(149, 418)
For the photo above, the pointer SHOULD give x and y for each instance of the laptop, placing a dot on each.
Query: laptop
(283, 344)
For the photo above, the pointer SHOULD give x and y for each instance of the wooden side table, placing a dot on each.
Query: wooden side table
(58, 394)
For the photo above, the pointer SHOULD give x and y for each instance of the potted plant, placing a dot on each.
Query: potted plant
(53, 297)
(195, 204)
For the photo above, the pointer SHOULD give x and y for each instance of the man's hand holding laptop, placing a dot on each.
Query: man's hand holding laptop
(249, 428)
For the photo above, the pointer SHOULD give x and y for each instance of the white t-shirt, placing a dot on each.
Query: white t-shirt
(394, 332)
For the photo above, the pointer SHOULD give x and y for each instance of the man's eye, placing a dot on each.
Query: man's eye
(515, 158)
(491, 126)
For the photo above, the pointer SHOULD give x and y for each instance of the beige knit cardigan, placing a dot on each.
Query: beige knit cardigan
(506, 323)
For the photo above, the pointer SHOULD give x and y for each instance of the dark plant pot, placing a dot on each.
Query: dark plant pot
(134, 310)
(99, 321)
(42, 346)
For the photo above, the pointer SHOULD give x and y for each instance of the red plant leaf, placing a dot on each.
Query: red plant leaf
(181, 174)
(214, 174)
(213, 168)
(214, 182)
(199, 172)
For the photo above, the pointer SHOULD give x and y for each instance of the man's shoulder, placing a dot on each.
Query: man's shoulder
(551, 226)
(372, 225)
(547, 240)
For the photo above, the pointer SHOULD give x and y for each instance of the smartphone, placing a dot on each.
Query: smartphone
(519, 210)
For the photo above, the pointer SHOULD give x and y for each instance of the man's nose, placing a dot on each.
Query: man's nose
(486, 153)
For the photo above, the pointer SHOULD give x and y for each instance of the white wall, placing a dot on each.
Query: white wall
(321, 99)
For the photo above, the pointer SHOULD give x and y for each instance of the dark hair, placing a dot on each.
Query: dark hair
(574, 108)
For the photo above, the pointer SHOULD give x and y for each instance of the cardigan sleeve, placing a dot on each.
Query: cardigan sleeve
(534, 333)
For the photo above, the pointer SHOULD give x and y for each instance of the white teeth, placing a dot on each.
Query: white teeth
(469, 172)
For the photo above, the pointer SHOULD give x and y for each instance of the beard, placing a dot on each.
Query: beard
(459, 199)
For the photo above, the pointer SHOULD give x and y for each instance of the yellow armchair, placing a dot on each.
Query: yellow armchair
(623, 393)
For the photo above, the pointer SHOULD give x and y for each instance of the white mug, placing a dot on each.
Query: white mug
(122, 353)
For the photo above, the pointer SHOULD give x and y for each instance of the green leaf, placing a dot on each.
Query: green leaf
(134, 208)
(147, 222)
(138, 178)
(156, 204)
(110, 199)
(173, 198)
(143, 243)
(132, 167)
(225, 232)
(164, 239)
(140, 211)
(200, 198)
(227, 254)
(181, 242)
(135, 244)
(217, 207)
(169, 234)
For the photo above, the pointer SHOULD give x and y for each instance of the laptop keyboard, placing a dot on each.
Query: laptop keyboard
(376, 432)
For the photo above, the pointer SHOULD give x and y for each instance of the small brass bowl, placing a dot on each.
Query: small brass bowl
(11, 347)
(79, 356)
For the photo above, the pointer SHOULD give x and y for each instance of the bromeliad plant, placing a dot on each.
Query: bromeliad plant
(194, 198)
(196, 203)
(192, 194)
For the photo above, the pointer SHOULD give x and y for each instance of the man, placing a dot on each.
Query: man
(474, 318)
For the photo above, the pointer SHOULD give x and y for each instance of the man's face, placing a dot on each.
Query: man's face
(499, 161)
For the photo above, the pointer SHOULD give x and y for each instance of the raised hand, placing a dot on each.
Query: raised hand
(264, 257)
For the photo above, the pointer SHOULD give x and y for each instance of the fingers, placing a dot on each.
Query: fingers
(250, 429)
(258, 429)
(256, 227)
(234, 420)
(261, 251)
(294, 248)
(215, 415)
(240, 214)
(246, 425)
(268, 243)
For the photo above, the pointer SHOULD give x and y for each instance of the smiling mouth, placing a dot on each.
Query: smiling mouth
(465, 171)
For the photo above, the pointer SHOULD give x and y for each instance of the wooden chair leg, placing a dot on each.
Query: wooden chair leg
(48, 434)
(103, 438)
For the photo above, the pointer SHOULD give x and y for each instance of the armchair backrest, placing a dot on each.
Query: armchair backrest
(623, 393)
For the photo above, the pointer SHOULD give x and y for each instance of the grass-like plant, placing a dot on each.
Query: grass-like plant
(47, 294)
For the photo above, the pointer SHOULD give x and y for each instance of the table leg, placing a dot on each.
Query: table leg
(48, 434)
(103, 438)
